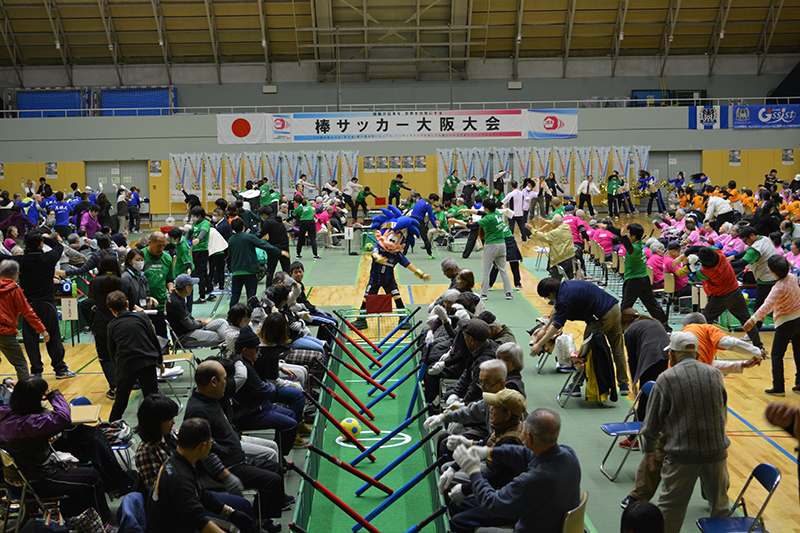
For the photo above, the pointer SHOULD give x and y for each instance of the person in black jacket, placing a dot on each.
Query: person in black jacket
(135, 350)
(108, 281)
(105, 248)
(178, 502)
(36, 279)
(482, 348)
(552, 190)
(274, 231)
(264, 475)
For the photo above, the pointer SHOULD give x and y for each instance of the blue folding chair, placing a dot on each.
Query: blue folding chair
(624, 429)
(80, 400)
(769, 476)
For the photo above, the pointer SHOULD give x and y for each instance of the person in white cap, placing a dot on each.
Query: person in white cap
(689, 404)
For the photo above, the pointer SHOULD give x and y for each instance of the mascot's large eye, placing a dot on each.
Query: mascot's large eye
(393, 238)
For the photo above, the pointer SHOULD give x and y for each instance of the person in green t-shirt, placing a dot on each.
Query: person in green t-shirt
(611, 194)
(494, 248)
(361, 201)
(159, 270)
(441, 222)
(199, 235)
(183, 253)
(558, 208)
(265, 195)
(637, 285)
(307, 226)
(450, 184)
(482, 189)
(394, 189)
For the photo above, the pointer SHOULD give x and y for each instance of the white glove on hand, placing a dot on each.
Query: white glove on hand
(468, 460)
(433, 421)
(456, 495)
(429, 338)
(453, 441)
(305, 316)
(445, 479)
(456, 405)
(462, 314)
(693, 259)
(436, 369)
(452, 399)
(482, 451)
(440, 312)
(431, 319)
(446, 355)
(430, 307)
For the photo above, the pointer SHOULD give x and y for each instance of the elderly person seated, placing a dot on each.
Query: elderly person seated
(559, 238)
(511, 354)
(548, 487)
(505, 409)
(191, 331)
(656, 263)
(472, 418)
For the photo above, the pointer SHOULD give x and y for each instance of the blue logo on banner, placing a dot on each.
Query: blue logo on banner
(764, 116)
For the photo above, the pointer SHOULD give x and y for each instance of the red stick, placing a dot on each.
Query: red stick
(356, 472)
(366, 377)
(335, 499)
(347, 435)
(358, 332)
(348, 352)
(362, 350)
(347, 406)
(352, 396)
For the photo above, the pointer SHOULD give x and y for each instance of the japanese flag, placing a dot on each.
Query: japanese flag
(242, 129)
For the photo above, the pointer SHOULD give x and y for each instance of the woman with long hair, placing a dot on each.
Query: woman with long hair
(108, 281)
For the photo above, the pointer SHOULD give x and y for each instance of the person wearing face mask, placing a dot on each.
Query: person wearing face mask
(134, 283)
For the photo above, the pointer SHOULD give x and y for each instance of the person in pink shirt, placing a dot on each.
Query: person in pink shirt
(89, 221)
(321, 219)
(656, 262)
(709, 233)
(775, 237)
(678, 222)
(692, 234)
(604, 237)
(793, 255)
(724, 235)
(682, 288)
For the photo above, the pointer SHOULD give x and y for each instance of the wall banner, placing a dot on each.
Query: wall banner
(233, 173)
(272, 168)
(293, 168)
(350, 164)
(177, 176)
(465, 163)
(541, 162)
(622, 160)
(212, 169)
(564, 168)
(330, 167)
(708, 117)
(765, 116)
(601, 159)
(522, 166)
(641, 157)
(311, 166)
(583, 160)
(483, 157)
(446, 164)
(552, 123)
(196, 168)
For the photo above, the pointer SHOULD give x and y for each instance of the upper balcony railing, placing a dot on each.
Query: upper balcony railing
(592, 103)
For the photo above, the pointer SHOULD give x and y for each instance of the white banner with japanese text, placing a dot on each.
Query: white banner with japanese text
(212, 170)
(177, 176)
(233, 174)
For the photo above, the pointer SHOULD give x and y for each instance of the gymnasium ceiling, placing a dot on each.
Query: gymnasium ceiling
(386, 39)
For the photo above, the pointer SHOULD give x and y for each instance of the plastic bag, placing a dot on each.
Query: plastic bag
(565, 346)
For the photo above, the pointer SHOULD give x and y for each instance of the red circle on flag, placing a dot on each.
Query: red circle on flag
(240, 127)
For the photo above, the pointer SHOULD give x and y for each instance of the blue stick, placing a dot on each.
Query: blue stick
(414, 395)
(405, 488)
(395, 357)
(394, 345)
(390, 435)
(406, 319)
(391, 389)
(405, 455)
(393, 372)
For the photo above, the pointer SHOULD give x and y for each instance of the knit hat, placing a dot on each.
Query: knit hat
(489, 318)
(247, 339)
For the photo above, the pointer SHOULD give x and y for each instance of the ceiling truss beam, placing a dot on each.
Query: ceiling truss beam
(719, 32)
(61, 38)
(262, 17)
(770, 24)
(517, 39)
(111, 35)
(11, 44)
(669, 31)
(163, 42)
(619, 32)
(212, 31)
(573, 4)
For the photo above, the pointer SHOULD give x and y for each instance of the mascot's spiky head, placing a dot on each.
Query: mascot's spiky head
(392, 229)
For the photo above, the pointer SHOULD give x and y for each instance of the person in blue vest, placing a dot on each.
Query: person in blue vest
(62, 210)
(133, 211)
(422, 208)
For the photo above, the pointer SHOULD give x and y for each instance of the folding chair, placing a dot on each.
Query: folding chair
(657, 292)
(624, 429)
(769, 476)
(23, 496)
(574, 519)
(226, 289)
(184, 355)
(574, 376)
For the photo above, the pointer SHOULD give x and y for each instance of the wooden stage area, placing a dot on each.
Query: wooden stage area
(338, 281)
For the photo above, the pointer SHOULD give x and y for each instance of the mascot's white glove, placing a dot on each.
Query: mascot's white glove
(693, 259)
(445, 479)
(433, 421)
(468, 459)
(453, 441)
(456, 495)
(453, 398)
(440, 312)
(437, 368)
(429, 338)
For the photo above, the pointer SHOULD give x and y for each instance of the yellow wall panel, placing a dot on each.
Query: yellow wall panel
(754, 165)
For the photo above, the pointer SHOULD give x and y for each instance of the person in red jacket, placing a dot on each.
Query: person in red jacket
(12, 304)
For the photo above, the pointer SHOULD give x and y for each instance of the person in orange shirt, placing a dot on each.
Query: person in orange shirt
(683, 199)
(698, 202)
(712, 339)
(735, 197)
(749, 201)
(794, 208)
